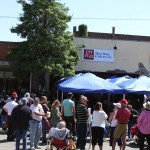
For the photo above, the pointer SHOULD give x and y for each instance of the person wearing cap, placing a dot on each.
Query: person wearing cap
(8, 107)
(36, 124)
(122, 116)
(98, 125)
(14, 95)
(113, 124)
(68, 112)
(82, 122)
(144, 126)
(21, 115)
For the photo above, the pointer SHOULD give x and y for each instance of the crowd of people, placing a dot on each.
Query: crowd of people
(34, 117)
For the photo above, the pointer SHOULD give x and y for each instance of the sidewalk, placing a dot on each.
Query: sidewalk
(5, 145)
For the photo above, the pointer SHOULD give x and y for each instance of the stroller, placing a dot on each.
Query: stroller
(59, 139)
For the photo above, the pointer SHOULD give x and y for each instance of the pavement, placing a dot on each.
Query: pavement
(5, 145)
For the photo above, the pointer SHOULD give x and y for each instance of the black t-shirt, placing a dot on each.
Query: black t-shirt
(133, 112)
(45, 108)
(21, 115)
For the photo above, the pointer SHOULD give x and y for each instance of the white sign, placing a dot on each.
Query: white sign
(98, 55)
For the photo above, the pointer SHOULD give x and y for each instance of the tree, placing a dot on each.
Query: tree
(83, 30)
(48, 48)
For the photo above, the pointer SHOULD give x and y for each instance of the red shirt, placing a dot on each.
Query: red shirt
(123, 115)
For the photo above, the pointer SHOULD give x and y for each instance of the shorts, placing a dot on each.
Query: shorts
(120, 131)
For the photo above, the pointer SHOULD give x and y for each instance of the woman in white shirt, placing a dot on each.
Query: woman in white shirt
(98, 125)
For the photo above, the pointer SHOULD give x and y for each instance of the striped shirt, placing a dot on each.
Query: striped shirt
(82, 113)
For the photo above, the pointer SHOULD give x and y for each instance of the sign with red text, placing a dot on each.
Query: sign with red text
(98, 55)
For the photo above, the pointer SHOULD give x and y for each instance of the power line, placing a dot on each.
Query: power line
(8, 17)
(78, 18)
(114, 19)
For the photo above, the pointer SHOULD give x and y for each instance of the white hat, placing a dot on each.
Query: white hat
(27, 95)
(117, 104)
(147, 105)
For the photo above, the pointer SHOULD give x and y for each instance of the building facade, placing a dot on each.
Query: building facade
(6, 77)
(105, 54)
(114, 54)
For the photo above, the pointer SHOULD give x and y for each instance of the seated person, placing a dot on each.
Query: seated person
(60, 136)
(60, 132)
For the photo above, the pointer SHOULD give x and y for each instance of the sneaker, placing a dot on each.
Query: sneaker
(37, 147)
(32, 148)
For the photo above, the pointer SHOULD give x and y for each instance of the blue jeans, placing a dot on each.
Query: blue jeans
(35, 133)
(19, 134)
(3, 120)
(130, 124)
(82, 129)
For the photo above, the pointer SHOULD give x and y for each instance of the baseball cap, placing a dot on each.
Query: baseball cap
(36, 99)
(124, 101)
(117, 104)
(14, 94)
(24, 100)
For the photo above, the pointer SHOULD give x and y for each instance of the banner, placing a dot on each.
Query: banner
(98, 55)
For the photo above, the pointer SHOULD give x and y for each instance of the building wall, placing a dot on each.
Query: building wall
(5, 69)
(127, 56)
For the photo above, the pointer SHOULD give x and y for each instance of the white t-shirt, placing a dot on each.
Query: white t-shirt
(114, 121)
(37, 109)
(10, 106)
(99, 118)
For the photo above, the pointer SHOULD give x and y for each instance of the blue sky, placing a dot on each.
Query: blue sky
(128, 16)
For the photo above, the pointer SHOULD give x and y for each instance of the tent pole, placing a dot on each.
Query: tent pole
(108, 103)
(57, 94)
(61, 100)
(124, 96)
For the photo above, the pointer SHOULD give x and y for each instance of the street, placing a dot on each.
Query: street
(5, 145)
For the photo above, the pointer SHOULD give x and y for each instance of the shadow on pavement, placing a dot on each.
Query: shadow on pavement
(133, 145)
(3, 141)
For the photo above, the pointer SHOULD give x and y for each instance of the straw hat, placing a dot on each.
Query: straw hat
(147, 105)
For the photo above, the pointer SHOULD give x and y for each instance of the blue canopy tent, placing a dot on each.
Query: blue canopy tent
(139, 85)
(118, 80)
(126, 83)
(89, 83)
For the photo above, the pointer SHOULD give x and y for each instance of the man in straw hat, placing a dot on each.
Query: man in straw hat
(144, 125)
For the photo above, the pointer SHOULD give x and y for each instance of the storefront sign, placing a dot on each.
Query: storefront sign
(98, 55)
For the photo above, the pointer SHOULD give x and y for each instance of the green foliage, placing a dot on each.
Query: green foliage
(83, 30)
(49, 46)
